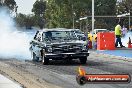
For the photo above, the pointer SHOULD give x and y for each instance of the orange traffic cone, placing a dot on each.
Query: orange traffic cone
(129, 43)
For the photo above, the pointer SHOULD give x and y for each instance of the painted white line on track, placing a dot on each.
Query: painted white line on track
(7, 83)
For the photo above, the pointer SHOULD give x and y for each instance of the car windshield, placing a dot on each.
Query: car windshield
(101, 31)
(78, 31)
(59, 35)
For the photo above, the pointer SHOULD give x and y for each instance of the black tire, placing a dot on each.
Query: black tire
(45, 61)
(83, 60)
(35, 58)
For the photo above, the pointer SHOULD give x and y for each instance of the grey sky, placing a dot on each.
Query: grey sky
(25, 6)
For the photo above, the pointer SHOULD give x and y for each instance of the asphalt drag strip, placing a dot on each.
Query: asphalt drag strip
(63, 74)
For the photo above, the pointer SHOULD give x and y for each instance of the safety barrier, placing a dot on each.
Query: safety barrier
(106, 41)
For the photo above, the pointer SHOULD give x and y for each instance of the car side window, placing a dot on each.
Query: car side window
(38, 37)
(35, 37)
(43, 36)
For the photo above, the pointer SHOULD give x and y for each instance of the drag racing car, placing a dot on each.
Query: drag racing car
(58, 44)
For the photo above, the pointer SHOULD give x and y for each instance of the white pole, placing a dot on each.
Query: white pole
(129, 20)
(92, 22)
(73, 23)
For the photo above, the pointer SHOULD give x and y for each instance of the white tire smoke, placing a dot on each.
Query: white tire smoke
(13, 43)
(125, 39)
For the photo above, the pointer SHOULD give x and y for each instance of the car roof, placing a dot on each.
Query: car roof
(99, 29)
(57, 29)
(74, 29)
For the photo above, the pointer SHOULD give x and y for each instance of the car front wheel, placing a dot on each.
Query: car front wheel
(83, 60)
(45, 61)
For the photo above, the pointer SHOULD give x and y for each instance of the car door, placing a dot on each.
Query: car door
(36, 44)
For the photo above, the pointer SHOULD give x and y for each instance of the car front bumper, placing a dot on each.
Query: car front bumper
(66, 55)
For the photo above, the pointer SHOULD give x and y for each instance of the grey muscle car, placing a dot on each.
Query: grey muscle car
(58, 44)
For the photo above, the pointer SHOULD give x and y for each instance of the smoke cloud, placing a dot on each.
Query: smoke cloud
(13, 43)
(125, 39)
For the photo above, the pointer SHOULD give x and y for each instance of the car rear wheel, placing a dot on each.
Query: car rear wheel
(83, 60)
(35, 58)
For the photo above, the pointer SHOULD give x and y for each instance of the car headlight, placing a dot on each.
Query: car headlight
(84, 47)
(49, 49)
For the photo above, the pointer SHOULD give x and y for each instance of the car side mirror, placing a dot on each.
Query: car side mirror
(84, 39)
(31, 42)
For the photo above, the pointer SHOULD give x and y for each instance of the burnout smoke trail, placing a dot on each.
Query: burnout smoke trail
(13, 43)
(125, 39)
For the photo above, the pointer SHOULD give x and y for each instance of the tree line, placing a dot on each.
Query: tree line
(67, 13)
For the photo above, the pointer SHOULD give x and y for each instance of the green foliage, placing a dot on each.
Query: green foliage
(25, 20)
(11, 4)
(128, 5)
(125, 6)
(105, 8)
(20, 19)
(39, 8)
(60, 13)
(121, 8)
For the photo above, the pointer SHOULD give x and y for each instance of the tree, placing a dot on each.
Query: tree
(25, 20)
(123, 7)
(11, 4)
(62, 13)
(105, 7)
(20, 19)
(128, 5)
(39, 8)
